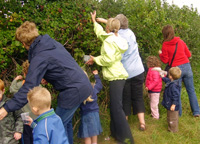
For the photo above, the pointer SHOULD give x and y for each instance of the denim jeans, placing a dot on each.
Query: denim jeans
(66, 116)
(187, 78)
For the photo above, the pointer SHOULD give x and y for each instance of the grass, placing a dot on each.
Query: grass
(157, 133)
(156, 130)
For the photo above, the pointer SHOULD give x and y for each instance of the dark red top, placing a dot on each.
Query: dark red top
(182, 53)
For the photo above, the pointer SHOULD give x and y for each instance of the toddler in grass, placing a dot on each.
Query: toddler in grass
(11, 127)
(47, 127)
(171, 97)
(153, 84)
(90, 125)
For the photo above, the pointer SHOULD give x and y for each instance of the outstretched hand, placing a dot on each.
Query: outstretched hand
(101, 20)
(95, 72)
(90, 61)
(93, 16)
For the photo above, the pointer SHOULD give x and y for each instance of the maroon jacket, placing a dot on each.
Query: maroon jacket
(153, 81)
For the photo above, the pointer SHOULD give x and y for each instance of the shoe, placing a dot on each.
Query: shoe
(197, 115)
(107, 138)
(142, 127)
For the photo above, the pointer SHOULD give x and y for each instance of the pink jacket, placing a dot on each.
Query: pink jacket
(153, 81)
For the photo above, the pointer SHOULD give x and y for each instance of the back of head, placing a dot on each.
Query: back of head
(25, 67)
(168, 33)
(153, 61)
(175, 72)
(113, 25)
(27, 33)
(123, 21)
(39, 97)
(1, 85)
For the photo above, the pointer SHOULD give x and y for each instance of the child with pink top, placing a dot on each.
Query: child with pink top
(153, 84)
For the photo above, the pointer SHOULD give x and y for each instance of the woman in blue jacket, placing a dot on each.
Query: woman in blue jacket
(49, 60)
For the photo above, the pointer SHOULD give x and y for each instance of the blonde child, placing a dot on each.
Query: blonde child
(153, 84)
(90, 126)
(11, 127)
(47, 127)
(171, 97)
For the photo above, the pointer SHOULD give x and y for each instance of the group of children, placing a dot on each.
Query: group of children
(49, 124)
(153, 85)
(44, 126)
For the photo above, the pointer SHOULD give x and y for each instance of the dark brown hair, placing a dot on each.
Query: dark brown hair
(168, 33)
(153, 61)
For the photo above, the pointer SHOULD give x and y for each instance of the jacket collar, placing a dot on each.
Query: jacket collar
(32, 47)
(44, 115)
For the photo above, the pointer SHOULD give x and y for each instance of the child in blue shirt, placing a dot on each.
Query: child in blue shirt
(171, 97)
(90, 125)
(47, 127)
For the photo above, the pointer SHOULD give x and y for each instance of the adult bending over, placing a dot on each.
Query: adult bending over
(131, 60)
(49, 60)
(181, 60)
(113, 71)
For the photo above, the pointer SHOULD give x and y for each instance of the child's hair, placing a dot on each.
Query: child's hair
(39, 97)
(175, 72)
(123, 21)
(89, 99)
(113, 25)
(25, 67)
(27, 33)
(168, 33)
(1, 85)
(153, 61)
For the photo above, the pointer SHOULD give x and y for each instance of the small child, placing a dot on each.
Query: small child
(153, 84)
(16, 84)
(47, 127)
(90, 125)
(11, 127)
(171, 97)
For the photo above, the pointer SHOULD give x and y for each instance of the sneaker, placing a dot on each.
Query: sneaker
(197, 115)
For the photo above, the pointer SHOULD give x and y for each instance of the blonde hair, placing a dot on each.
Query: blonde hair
(175, 72)
(27, 33)
(113, 25)
(153, 61)
(89, 99)
(25, 67)
(39, 97)
(123, 21)
(1, 85)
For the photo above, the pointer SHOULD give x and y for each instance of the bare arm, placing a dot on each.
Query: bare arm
(101, 20)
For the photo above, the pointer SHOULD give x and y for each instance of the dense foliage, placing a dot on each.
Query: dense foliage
(69, 22)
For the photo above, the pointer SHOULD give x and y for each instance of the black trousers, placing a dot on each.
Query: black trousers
(27, 135)
(119, 126)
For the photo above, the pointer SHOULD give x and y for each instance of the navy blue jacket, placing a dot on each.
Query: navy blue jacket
(92, 106)
(171, 94)
(51, 61)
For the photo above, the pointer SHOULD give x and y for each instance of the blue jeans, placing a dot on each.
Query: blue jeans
(66, 116)
(187, 78)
